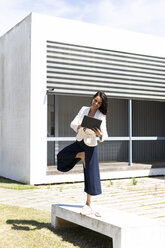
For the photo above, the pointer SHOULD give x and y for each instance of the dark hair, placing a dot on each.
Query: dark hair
(104, 106)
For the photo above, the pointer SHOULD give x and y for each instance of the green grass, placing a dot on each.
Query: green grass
(134, 181)
(11, 184)
(111, 183)
(30, 228)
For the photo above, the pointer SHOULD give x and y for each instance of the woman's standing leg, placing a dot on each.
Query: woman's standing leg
(88, 201)
(92, 172)
(92, 178)
(87, 210)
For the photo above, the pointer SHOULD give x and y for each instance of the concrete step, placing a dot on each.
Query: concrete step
(110, 166)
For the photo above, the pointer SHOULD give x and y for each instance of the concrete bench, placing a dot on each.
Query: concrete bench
(126, 230)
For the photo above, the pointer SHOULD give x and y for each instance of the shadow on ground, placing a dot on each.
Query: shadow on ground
(78, 236)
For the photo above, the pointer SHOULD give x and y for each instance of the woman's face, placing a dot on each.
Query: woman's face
(96, 102)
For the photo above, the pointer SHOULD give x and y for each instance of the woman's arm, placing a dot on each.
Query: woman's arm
(75, 124)
(102, 132)
(103, 129)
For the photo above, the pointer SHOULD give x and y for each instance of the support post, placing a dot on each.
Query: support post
(130, 132)
(56, 123)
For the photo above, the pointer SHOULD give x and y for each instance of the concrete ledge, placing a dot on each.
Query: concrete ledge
(126, 230)
(79, 177)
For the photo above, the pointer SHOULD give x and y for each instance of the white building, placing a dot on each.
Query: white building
(50, 67)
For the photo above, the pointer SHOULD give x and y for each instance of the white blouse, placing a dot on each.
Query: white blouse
(89, 135)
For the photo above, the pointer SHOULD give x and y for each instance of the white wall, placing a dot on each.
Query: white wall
(38, 105)
(23, 110)
(15, 102)
(92, 35)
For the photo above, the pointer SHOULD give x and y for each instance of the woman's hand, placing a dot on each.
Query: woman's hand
(79, 126)
(98, 132)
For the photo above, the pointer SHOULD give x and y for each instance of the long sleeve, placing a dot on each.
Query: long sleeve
(103, 129)
(74, 124)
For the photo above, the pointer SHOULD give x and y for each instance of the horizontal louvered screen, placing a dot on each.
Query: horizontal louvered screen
(73, 69)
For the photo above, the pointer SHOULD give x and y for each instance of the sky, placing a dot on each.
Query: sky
(144, 16)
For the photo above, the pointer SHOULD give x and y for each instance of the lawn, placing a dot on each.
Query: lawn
(11, 184)
(31, 228)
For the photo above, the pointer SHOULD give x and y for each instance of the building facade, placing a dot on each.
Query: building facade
(50, 67)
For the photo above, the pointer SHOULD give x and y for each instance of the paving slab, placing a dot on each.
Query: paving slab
(146, 198)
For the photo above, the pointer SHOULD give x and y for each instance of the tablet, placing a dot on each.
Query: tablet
(90, 122)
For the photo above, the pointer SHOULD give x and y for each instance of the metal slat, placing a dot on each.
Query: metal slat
(82, 70)
(88, 65)
(104, 60)
(108, 60)
(118, 75)
(111, 94)
(103, 52)
(134, 91)
(83, 78)
(110, 85)
(118, 70)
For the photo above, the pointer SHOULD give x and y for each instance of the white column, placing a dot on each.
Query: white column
(56, 123)
(130, 132)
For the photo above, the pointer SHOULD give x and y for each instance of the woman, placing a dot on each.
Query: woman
(85, 147)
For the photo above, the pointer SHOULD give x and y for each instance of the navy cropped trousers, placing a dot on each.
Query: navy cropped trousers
(66, 161)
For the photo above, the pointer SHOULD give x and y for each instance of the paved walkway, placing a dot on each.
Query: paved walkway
(146, 198)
